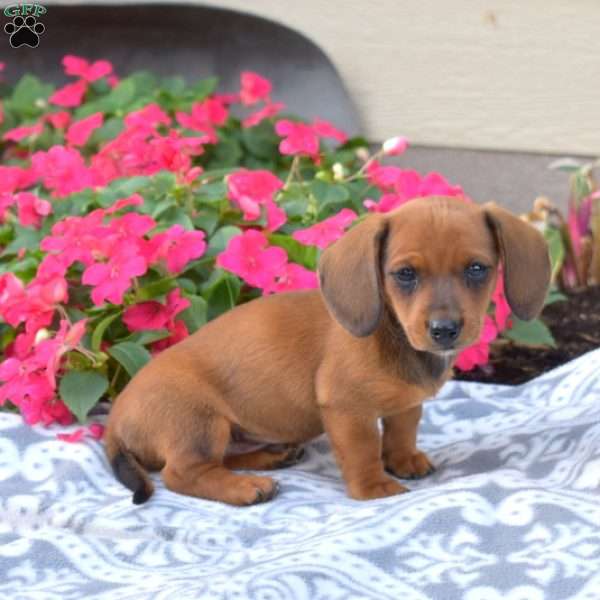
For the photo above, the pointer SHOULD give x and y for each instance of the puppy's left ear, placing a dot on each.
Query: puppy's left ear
(525, 259)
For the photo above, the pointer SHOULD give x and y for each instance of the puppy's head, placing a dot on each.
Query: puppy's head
(433, 263)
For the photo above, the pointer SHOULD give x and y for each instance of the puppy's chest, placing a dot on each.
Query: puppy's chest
(393, 395)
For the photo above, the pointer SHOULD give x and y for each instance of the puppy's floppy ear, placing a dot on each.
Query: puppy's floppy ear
(525, 258)
(349, 273)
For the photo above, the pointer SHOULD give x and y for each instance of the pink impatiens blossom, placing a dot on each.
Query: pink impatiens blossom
(478, 353)
(502, 310)
(325, 129)
(59, 120)
(155, 315)
(254, 88)
(294, 277)
(326, 232)
(248, 256)
(111, 280)
(62, 170)
(251, 189)
(177, 246)
(80, 131)
(20, 133)
(266, 112)
(80, 67)
(148, 117)
(298, 139)
(204, 117)
(70, 95)
(31, 209)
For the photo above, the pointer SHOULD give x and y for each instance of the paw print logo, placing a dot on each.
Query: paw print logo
(24, 31)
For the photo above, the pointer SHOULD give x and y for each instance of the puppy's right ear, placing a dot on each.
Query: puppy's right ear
(350, 276)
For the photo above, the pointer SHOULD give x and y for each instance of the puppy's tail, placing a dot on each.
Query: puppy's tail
(129, 471)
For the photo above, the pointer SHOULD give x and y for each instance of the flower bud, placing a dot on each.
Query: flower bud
(338, 171)
(41, 335)
(394, 146)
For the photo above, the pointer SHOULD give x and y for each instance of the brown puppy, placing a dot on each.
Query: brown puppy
(400, 295)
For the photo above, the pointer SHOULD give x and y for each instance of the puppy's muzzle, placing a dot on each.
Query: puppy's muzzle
(444, 332)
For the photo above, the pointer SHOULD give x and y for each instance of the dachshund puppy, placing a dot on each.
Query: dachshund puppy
(401, 294)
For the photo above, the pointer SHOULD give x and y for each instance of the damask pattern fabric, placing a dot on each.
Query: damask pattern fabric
(512, 513)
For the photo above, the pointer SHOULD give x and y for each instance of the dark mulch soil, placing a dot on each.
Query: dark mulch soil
(575, 324)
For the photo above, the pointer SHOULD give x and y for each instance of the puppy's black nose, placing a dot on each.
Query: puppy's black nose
(444, 332)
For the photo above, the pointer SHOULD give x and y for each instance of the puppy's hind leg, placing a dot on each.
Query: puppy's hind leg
(195, 468)
(266, 458)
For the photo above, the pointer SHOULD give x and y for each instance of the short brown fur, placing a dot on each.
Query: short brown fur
(285, 368)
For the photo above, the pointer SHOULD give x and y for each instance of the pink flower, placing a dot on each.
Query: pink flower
(395, 146)
(254, 88)
(178, 331)
(111, 280)
(74, 65)
(299, 138)
(387, 203)
(15, 178)
(502, 309)
(204, 117)
(276, 216)
(20, 133)
(266, 112)
(32, 209)
(478, 354)
(59, 120)
(248, 257)
(325, 129)
(326, 232)
(70, 95)
(62, 170)
(154, 315)
(177, 246)
(294, 277)
(80, 131)
(251, 189)
(94, 430)
(149, 117)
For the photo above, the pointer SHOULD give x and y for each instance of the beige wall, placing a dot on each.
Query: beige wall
(504, 74)
(493, 74)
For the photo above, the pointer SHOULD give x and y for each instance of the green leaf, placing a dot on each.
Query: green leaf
(81, 390)
(175, 215)
(203, 88)
(196, 314)
(108, 131)
(121, 188)
(120, 96)
(207, 219)
(530, 333)
(261, 140)
(556, 249)
(100, 330)
(211, 192)
(132, 356)
(156, 288)
(25, 238)
(331, 197)
(222, 293)
(554, 296)
(143, 338)
(29, 95)
(227, 153)
(219, 240)
(294, 201)
(304, 255)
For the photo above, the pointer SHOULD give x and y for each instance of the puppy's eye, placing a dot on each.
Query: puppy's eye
(406, 277)
(476, 272)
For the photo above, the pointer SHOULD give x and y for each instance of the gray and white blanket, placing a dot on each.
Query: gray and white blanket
(512, 513)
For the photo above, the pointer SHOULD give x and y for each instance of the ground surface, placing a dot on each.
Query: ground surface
(575, 325)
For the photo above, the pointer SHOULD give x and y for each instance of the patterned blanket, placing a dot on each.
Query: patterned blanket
(512, 513)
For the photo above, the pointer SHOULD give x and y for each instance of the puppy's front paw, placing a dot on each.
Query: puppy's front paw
(382, 488)
(409, 466)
